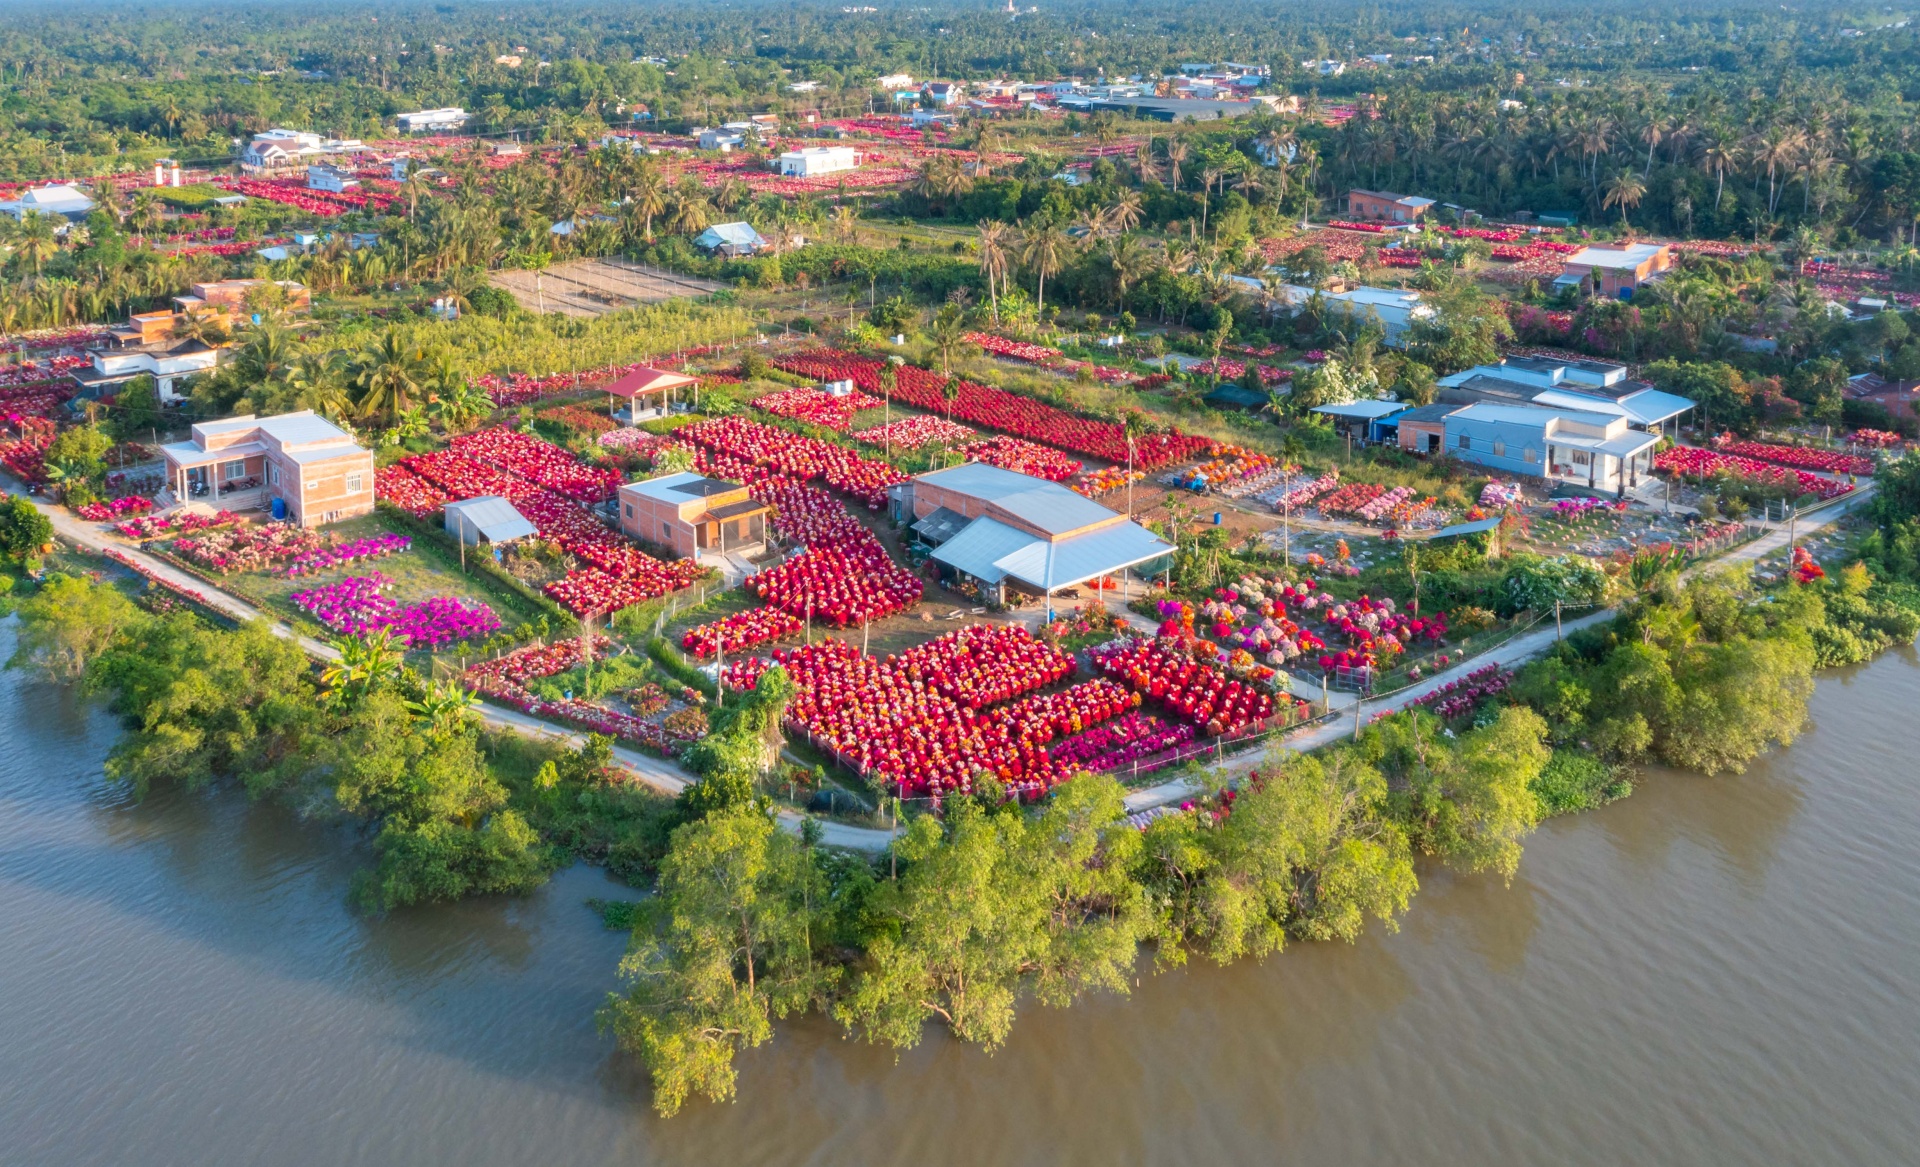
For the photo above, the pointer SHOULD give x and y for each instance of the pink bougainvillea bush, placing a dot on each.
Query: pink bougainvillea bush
(358, 605)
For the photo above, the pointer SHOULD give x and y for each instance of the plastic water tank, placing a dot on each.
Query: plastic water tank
(279, 510)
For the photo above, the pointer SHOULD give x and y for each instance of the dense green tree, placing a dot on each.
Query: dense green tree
(725, 946)
(69, 622)
(23, 530)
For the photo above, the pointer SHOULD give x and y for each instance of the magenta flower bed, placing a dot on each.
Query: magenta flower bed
(353, 552)
(1456, 698)
(356, 606)
(1131, 738)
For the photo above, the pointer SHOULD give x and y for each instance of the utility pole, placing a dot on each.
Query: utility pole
(1556, 619)
(1286, 528)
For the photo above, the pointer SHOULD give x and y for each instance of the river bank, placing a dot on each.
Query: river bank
(1715, 970)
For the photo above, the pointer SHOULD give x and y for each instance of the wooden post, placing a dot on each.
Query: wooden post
(1556, 619)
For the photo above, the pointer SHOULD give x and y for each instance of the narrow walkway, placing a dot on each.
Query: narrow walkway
(1519, 649)
(669, 778)
(666, 777)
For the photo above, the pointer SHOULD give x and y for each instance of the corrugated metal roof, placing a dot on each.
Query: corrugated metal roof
(978, 548)
(1653, 405)
(940, 526)
(488, 517)
(1070, 561)
(1363, 409)
(736, 234)
(1529, 415)
(1047, 505)
(1427, 413)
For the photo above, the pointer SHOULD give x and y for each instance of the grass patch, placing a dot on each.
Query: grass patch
(1574, 781)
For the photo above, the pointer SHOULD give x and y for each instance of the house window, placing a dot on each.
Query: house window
(273, 473)
(1530, 455)
(233, 471)
(629, 510)
(1582, 458)
(666, 531)
(1466, 443)
(1499, 448)
(353, 484)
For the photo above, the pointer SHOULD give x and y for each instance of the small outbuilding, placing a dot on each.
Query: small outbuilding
(650, 392)
(730, 239)
(810, 161)
(487, 519)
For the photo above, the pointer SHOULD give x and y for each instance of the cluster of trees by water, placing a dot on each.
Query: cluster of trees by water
(988, 903)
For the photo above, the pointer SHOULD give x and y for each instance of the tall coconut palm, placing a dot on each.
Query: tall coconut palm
(1208, 177)
(318, 380)
(36, 239)
(688, 211)
(1125, 211)
(995, 241)
(390, 373)
(1720, 152)
(647, 196)
(1128, 262)
(1774, 148)
(1176, 158)
(948, 332)
(1044, 248)
(1624, 190)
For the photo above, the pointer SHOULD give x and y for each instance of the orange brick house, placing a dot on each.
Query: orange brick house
(1382, 206)
(693, 514)
(310, 467)
(223, 299)
(1614, 269)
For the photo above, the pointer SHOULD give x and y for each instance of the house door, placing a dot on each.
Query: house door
(1433, 443)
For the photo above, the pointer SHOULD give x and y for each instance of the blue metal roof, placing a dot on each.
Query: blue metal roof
(1049, 506)
(488, 517)
(1083, 557)
(1368, 410)
(730, 235)
(989, 550)
(979, 547)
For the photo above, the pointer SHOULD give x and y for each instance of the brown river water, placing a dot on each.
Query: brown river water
(1714, 971)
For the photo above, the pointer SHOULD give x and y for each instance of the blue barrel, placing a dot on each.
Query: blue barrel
(279, 510)
(1216, 518)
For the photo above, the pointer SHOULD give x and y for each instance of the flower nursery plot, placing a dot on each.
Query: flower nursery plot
(894, 721)
(358, 605)
(998, 409)
(537, 461)
(797, 457)
(247, 547)
(741, 631)
(840, 586)
(1023, 457)
(1803, 458)
(408, 491)
(350, 552)
(546, 484)
(1201, 693)
(911, 433)
(1694, 463)
(816, 406)
(584, 421)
